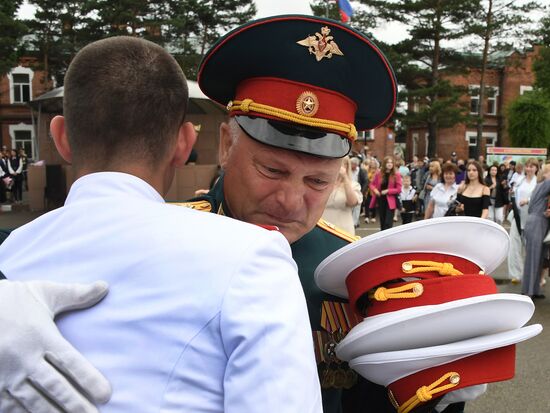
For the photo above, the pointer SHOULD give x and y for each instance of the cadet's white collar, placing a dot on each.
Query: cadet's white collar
(101, 184)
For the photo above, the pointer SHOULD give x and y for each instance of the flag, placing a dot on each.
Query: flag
(345, 10)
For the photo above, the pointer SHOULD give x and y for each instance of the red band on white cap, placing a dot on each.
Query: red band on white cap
(381, 270)
(487, 367)
(436, 291)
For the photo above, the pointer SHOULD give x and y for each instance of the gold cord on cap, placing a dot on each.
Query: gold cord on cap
(425, 393)
(411, 290)
(443, 268)
(248, 105)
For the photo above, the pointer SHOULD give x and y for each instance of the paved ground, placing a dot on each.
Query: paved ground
(526, 393)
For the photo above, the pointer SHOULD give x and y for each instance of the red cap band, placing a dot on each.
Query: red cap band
(486, 367)
(381, 270)
(285, 94)
(436, 291)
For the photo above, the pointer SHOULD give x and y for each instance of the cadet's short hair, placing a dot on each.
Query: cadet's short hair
(124, 98)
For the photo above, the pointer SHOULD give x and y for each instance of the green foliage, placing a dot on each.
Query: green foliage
(529, 120)
(187, 28)
(541, 67)
(496, 25)
(364, 16)
(423, 63)
(11, 31)
(192, 26)
(541, 35)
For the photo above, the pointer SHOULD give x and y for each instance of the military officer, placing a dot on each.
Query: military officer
(297, 88)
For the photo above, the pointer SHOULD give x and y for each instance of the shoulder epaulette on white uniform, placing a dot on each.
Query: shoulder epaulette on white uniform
(202, 205)
(340, 233)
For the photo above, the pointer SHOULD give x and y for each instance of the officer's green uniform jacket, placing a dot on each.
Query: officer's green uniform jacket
(308, 252)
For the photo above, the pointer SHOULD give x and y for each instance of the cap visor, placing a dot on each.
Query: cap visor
(433, 325)
(295, 137)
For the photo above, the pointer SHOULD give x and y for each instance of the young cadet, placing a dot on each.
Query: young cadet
(297, 88)
(207, 336)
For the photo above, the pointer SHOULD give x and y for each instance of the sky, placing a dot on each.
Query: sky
(390, 33)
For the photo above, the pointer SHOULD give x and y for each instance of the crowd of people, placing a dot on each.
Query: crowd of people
(13, 174)
(431, 188)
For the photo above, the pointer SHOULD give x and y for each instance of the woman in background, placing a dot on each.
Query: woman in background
(473, 194)
(498, 198)
(343, 198)
(386, 186)
(372, 169)
(430, 180)
(443, 194)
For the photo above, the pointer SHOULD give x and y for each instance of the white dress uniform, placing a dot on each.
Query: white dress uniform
(204, 313)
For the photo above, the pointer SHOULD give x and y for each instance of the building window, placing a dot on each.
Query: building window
(415, 144)
(22, 136)
(492, 94)
(21, 88)
(426, 143)
(523, 89)
(474, 99)
(20, 80)
(471, 137)
(366, 135)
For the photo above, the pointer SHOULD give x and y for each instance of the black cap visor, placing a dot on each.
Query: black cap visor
(295, 137)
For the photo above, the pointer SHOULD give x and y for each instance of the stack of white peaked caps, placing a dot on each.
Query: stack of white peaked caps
(435, 328)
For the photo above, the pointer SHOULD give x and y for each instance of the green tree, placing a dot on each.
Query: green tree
(59, 29)
(192, 26)
(541, 67)
(494, 24)
(424, 61)
(364, 16)
(11, 31)
(529, 120)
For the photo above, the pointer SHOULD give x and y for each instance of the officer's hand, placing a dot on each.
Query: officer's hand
(39, 370)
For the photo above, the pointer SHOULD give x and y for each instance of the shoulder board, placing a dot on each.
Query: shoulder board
(198, 205)
(333, 229)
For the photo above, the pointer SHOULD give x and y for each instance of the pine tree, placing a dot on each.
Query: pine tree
(529, 120)
(59, 29)
(194, 25)
(364, 17)
(11, 31)
(495, 22)
(423, 63)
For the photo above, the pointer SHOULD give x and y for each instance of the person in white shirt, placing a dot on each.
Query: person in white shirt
(194, 322)
(408, 200)
(444, 193)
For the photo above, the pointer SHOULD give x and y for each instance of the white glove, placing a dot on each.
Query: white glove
(461, 395)
(40, 372)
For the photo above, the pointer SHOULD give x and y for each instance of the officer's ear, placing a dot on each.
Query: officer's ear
(184, 144)
(226, 143)
(60, 139)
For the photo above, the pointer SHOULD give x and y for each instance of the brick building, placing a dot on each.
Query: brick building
(21, 85)
(380, 141)
(508, 77)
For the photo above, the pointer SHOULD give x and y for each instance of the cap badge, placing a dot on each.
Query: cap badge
(307, 104)
(321, 45)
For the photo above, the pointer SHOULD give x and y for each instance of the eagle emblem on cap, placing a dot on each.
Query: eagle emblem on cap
(321, 45)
